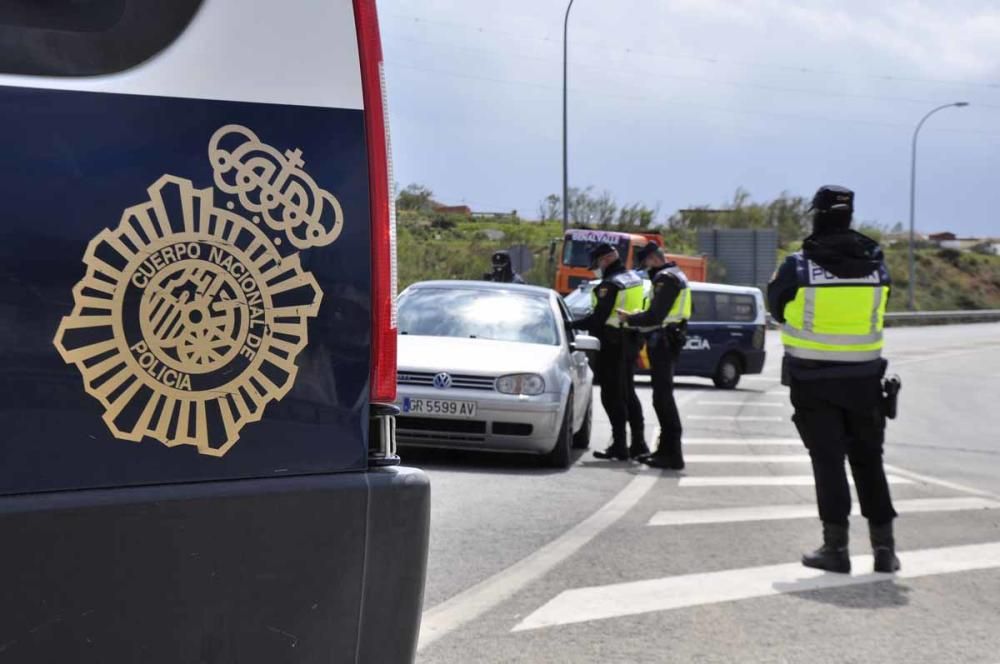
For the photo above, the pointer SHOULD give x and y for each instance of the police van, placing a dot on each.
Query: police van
(197, 367)
(725, 336)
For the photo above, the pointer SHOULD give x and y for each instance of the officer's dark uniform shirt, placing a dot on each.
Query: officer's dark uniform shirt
(848, 255)
(666, 287)
(606, 293)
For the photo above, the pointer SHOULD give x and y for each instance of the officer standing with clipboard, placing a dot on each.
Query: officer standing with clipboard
(664, 324)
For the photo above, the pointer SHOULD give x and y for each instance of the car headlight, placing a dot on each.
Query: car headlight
(529, 384)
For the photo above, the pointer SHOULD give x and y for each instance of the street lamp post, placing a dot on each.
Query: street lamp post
(913, 193)
(565, 164)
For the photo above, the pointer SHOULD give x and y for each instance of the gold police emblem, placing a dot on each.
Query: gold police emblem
(189, 319)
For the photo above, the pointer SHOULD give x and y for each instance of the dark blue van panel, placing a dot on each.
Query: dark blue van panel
(707, 343)
(72, 164)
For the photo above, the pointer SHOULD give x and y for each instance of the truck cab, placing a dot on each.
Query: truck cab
(574, 258)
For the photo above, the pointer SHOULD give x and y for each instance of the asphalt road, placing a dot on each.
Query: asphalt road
(614, 562)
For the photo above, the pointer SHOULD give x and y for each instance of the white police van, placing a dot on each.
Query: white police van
(725, 337)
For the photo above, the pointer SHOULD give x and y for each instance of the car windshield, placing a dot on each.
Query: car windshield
(576, 251)
(478, 314)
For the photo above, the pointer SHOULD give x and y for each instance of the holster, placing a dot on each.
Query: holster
(891, 385)
(676, 337)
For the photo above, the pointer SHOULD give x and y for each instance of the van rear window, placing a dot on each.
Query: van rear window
(723, 307)
(87, 37)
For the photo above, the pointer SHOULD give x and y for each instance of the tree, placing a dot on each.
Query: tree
(590, 210)
(787, 214)
(550, 209)
(415, 197)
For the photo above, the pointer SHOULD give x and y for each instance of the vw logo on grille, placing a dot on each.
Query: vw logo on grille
(442, 381)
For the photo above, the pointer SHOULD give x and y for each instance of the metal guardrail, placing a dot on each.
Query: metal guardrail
(931, 317)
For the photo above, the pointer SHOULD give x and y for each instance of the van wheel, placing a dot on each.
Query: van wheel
(581, 439)
(561, 455)
(728, 373)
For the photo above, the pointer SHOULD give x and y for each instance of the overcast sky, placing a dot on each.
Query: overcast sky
(677, 103)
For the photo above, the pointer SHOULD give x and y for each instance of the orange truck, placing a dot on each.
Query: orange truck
(574, 259)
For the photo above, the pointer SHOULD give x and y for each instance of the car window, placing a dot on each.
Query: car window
(735, 308)
(478, 314)
(702, 306)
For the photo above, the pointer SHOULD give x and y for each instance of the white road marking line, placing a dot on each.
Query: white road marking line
(763, 378)
(802, 511)
(626, 599)
(746, 458)
(736, 418)
(745, 404)
(766, 480)
(926, 479)
(781, 442)
(473, 602)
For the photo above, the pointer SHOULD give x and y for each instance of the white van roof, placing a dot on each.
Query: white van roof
(723, 288)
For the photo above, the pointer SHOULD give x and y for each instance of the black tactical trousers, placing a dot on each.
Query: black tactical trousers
(613, 377)
(839, 417)
(661, 367)
(633, 409)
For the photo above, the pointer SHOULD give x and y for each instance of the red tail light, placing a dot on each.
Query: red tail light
(383, 208)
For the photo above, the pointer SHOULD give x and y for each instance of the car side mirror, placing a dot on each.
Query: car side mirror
(585, 342)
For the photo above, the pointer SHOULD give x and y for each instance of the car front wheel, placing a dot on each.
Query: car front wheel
(581, 439)
(561, 455)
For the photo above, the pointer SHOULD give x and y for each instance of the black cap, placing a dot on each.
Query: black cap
(831, 197)
(501, 257)
(647, 250)
(599, 250)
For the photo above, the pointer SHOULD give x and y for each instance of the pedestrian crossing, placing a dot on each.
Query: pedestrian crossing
(766, 480)
(803, 511)
(625, 599)
(780, 459)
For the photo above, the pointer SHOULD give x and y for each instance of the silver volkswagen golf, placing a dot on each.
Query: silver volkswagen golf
(493, 367)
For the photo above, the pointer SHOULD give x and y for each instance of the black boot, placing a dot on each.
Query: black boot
(667, 456)
(832, 556)
(638, 448)
(884, 548)
(616, 452)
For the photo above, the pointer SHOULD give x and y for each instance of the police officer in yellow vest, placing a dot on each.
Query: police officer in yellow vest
(619, 289)
(831, 297)
(664, 323)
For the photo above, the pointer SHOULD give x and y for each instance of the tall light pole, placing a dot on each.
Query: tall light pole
(913, 192)
(565, 196)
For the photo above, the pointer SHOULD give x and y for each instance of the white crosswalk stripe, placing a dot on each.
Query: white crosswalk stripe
(766, 480)
(804, 511)
(779, 442)
(745, 404)
(746, 458)
(674, 592)
(737, 418)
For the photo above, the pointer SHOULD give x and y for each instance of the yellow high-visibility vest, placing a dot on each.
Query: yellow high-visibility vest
(629, 298)
(833, 318)
(680, 310)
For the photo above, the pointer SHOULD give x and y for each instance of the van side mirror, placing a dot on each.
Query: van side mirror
(585, 342)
